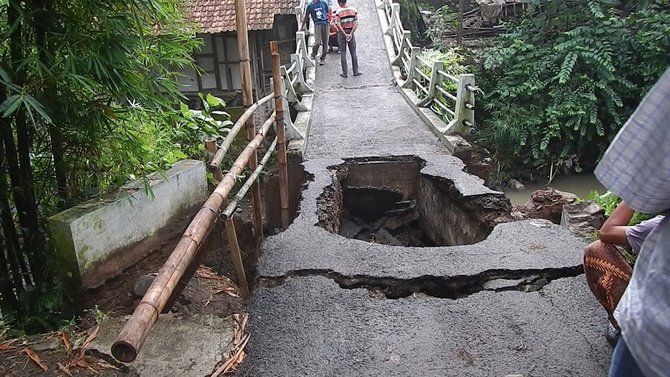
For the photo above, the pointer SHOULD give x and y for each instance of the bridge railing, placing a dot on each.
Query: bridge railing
(452, 97)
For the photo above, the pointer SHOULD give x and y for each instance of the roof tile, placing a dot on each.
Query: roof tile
(218, 16)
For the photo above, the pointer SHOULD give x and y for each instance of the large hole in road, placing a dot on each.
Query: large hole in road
(389, 201)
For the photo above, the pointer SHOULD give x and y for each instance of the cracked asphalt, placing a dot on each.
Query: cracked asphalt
(304, 323)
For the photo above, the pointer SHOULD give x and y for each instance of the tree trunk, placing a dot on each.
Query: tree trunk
(20, 169)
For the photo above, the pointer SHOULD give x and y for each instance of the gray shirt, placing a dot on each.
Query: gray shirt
(637, 234)
(636, 167)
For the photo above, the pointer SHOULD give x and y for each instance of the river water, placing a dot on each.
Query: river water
(581, 185)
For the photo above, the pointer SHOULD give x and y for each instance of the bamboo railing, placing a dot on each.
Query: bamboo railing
(185, 255)
(450, 97)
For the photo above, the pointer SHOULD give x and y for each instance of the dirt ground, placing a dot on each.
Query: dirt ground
(211, 290)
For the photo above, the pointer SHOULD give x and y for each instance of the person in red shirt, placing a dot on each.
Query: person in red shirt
(346, 21)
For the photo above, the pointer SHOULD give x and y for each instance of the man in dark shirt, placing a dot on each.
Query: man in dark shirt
(318, 10)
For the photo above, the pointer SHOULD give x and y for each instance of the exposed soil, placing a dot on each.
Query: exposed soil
(207, 293)
(50, 351)
(211, 290)
(115, 296)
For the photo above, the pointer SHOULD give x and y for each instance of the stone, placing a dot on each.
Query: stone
(47, 345)
(384, 237)
(142, 285)
(544, 204)
(583, 218)
(515, 185)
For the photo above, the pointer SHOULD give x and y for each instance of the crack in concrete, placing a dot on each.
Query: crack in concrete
(356, 87)
(453, 287)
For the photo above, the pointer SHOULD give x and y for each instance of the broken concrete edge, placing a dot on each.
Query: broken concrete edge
(443, 168)
(449, 287)
(518, 246)
(88, 235)
(455, 143)
(306, 245)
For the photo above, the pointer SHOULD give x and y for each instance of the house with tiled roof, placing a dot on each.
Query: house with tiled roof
(219, 59)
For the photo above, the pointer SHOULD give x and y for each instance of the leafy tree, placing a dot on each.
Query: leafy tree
(562, 81)
(83, 81)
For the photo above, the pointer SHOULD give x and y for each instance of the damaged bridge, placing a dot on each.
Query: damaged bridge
(400, 263)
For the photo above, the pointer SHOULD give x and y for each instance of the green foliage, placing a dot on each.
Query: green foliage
(608, 202)
(411, 19)
(564, 79)
(445, 20)
(88, 100)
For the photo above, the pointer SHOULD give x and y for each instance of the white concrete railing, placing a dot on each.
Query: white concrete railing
(450, 97)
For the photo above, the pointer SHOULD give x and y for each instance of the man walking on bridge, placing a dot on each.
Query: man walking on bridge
(318, 10)
(346, 20)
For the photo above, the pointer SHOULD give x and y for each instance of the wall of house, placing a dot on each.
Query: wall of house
(219, 60)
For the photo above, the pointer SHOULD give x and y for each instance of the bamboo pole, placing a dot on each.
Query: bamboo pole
(232, 205)
(459, 36)
(281, 134)
(247, 100)
(231, 233)
(211, 148)
(236, 256)
(228, 141)
(135, 331)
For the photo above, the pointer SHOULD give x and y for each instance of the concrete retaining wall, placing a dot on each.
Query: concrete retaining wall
(444, 219)
(100, 238)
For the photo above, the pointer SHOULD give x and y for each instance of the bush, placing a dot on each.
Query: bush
(565, 78)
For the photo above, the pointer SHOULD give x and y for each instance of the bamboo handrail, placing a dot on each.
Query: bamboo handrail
(230, 138)
(135, 331)
(232, 205)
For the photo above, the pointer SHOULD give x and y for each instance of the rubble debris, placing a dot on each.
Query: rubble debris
(381, 215)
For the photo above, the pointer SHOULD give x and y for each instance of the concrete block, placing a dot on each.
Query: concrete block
(91, 234)
(185, 347)
(302, 124)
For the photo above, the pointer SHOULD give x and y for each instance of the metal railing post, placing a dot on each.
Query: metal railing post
(292, 133)
(291, 94)
(304, 88)
(395, 9)
(434, 81)
(464, 118)
(405, 42)
(302, 49)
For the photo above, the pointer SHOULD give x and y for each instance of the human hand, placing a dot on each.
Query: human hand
(348, 37)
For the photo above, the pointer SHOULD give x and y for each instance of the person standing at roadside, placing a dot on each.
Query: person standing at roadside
(318, 10)
(636, 168)
(346, 20)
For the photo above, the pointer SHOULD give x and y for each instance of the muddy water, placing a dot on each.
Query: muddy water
(581, 185)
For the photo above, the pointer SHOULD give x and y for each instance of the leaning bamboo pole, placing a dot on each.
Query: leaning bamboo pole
(247, 100)
(232, 133)
(281, 135)
(135, 331)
